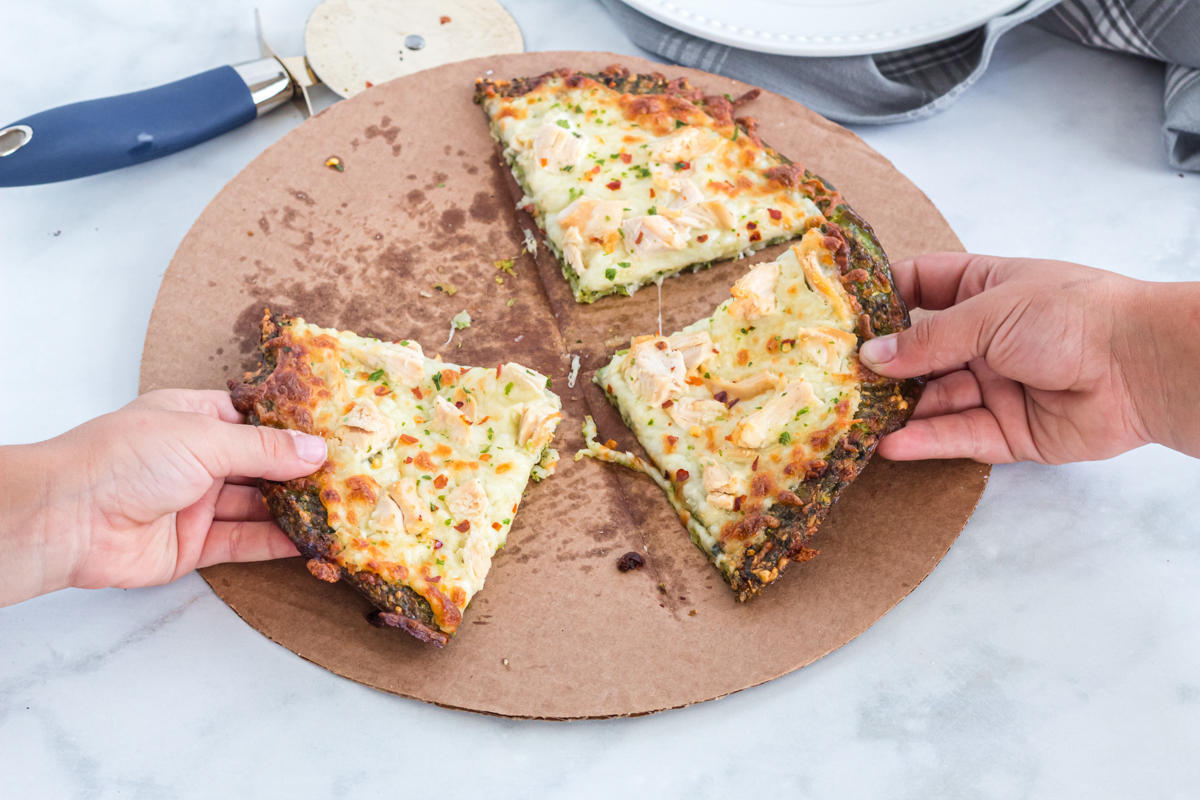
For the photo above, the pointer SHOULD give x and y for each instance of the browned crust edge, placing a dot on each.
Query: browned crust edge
(297, 508)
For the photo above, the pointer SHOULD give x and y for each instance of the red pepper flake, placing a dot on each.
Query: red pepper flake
(755, 236)
(458, 404)
(626, 157)
(497, 372)
(407, 439)
(668, 403)
(681, 475)
(408, 460)
(441, 480)
(737, 502)
(722, 397)
(595, 169)
(672, 439)
(638, 240)
(683, 165)
(702, 237)
(753, 467)
(751, 225)
(416, 390)
(496, 525)
(382, 390)
(437, 544)
(614, 185)
(775, 213)
(444, 20)
(463, 526)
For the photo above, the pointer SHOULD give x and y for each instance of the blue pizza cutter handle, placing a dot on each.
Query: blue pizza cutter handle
(100, 135)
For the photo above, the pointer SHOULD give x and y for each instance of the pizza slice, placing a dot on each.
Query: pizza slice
(759, 416)
(633, 178)
(427, 464)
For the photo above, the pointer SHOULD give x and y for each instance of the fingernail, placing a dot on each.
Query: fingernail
(310, 448)
(879, 350)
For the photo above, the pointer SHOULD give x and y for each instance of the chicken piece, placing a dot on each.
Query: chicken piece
(745, 388)
(572, 249)
(448, 419)
(469, 501)
(709, 214)
(652, 234)
(524, 385)
(722, 487)
(417, 518)
(595, 219)
(465, 402)
(684, 144)
(556, 147)
(755, 292)
(658, 374)
(403, 364)
(826, 347)
(538, 421)
(696, 348)
(830, 288)
(366, 428)
(685, 193)
(387, 517)
(688, 411)
(764, 425)
(477, 553)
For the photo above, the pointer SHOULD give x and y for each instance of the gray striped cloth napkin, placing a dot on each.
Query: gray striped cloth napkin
(911, 84)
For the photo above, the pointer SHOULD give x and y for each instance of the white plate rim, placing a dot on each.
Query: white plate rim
(962, 19)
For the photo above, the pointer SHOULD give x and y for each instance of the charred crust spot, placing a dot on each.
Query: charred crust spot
(323, 570)
(388, 619)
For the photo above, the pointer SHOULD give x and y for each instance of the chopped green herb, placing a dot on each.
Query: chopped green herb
(653, 211)
(623, 264)
(490, 430)
(679, 123)
(562, 123)
(610, 273)
(785, 437)
(437, 380)
(505, 521)
(508, 388)
(377, 375)
(567, 168)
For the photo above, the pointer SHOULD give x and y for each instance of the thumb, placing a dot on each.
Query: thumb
(253, 451)
(954, 336)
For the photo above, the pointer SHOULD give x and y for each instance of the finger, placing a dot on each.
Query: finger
(951, 394)
(244, 541)
(939, 373)
(958, 334)
(238, 480)
(210, 402)
(256, 452)
(937, 280)
(973, 434)
(240, 503)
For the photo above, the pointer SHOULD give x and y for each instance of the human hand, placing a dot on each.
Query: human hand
(143, 495)
(1041, 361)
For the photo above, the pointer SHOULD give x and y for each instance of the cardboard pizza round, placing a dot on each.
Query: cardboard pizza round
(404, 237)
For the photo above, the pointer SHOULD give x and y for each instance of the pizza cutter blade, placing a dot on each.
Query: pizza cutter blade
(351, 45)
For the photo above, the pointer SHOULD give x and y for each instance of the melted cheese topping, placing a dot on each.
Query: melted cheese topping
(769, 380)
(427, 460)
(625, 196)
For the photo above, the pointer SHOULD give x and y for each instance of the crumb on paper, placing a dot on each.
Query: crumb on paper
(424, 293)
(333, 162)
(574, 372)
(519, 338)
(530, 242)
(444, 20)
(249, 233)
(447, 287)
(630, 561)
(369, 84)
(460, 320)
(504, 661)
(692, 613)
(505, 265)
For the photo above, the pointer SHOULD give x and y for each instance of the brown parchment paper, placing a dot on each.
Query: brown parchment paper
(557, 632)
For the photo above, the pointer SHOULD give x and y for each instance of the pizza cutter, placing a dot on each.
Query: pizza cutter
(351, 45)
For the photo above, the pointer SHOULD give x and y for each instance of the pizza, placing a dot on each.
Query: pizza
(633, 178)
(428, 462)
(758, 417)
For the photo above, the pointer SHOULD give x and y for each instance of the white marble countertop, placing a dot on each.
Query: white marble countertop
(1054, 653)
